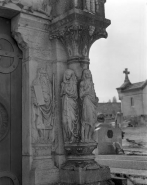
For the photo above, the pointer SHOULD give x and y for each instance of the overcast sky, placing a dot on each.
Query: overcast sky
(125, 47)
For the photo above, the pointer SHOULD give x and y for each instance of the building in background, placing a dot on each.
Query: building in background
(133, 97)
(109, 109)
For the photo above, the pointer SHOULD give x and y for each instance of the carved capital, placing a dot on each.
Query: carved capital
(78, 31)
(77, 39)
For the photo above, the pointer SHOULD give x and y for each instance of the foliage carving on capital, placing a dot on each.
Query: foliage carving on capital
(78, 39)
(70, 117)
(42, 6)
(43, 106)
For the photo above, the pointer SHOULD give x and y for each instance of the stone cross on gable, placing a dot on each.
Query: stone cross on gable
(126, 72)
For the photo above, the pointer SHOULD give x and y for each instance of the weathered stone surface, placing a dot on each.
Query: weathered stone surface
(79, 149)
(82, 175)
(37, 53)
(46, 176)
(41, 6)
(31, 29)
(106, 136)
(77, 37)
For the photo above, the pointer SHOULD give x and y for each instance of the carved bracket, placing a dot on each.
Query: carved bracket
(20, 40)
(77, 32)
(78, 39)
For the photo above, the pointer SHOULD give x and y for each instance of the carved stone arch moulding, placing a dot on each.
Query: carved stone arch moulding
(9, 175)
(4, 119)
(9, 54)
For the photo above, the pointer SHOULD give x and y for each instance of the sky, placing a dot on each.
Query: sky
(125, 47)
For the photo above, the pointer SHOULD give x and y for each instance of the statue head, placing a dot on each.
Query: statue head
(86, 74)
(69, 75)
(42, 72)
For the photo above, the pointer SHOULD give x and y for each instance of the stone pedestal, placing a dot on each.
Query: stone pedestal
(43, 169)
(81, 167)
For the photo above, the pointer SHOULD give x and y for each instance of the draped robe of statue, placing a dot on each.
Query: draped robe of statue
(42, 111)
(69, 107)
(89, 104)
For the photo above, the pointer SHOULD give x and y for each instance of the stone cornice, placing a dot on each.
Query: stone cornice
(79, 16)
(30, 7)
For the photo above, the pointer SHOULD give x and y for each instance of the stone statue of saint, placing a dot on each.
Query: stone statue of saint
(42, 106)
(69, 107)
(89, 104)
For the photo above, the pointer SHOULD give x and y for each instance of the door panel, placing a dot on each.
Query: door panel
(6, 181)
(10, 107)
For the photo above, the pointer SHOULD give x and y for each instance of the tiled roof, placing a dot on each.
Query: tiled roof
(134, 86)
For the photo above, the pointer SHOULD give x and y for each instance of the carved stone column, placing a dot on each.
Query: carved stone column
(77, 27)
(77, 30)
(38, 132)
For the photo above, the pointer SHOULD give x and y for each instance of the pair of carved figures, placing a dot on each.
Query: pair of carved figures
(91, 6)
(42, 107)
(72, 116)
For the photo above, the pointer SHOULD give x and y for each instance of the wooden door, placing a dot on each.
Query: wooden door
(10, 107)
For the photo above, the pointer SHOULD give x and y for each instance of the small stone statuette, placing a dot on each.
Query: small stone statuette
(89, 104)
(42, 104)
(70, 107)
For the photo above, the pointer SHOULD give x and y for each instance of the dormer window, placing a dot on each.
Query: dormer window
(132, 101)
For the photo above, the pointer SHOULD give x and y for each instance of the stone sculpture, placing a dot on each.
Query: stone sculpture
(42, 6)
(42, 103)
(92, 6)
(80, 167)
(89, 103)
(69, 107)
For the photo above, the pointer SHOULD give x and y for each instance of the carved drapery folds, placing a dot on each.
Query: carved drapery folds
(78, 117)
(42, 107)
(91, 6)
(89, 106)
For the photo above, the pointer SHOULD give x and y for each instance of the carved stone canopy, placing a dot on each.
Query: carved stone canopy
(78, 30)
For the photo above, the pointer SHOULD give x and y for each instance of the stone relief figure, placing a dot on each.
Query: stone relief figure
(91, 6)
(89, 103)
(69, 107)
(42, 103)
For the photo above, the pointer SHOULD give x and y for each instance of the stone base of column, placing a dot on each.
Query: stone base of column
(84, 172)
(43, 170)
(83, 169)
